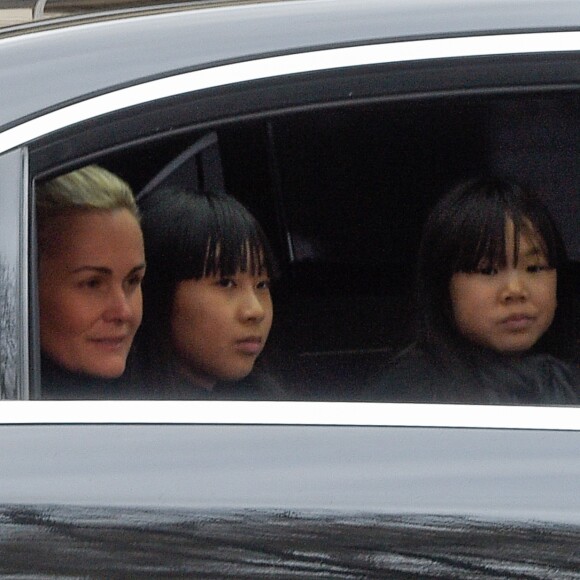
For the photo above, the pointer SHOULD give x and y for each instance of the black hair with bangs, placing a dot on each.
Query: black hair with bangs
(192, 235)
(467, 228)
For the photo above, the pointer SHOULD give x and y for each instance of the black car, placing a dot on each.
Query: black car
(338, 124)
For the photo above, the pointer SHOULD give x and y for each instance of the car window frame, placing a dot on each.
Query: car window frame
(222, 75)
(291, 413)
(17, 311)
(45, 128)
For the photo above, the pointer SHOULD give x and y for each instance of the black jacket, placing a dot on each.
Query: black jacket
(58, 383)
(257, 386)
(477, 377)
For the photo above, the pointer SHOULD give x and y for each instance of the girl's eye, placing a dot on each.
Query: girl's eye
(263, 285)
(487, 270)
(226, 282)
(535, 268)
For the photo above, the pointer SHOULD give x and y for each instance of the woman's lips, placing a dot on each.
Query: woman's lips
(111, 342)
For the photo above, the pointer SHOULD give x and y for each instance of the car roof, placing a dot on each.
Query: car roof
(45, 65)
(14, 12)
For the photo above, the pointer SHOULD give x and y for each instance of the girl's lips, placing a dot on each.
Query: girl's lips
(518, 321)
(250, 346)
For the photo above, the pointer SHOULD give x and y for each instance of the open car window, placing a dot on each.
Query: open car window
(341, 168)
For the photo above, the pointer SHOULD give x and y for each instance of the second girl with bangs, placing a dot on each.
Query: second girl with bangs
(206, 297)
(493, 304)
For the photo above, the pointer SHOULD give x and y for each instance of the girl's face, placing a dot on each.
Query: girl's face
(90, 291)
(219, 325)
(506, 309)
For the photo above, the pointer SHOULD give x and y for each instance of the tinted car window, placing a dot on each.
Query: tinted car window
(341, 168)
(343, 192)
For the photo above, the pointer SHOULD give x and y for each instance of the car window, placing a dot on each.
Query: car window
(13, 308)
(342, 187)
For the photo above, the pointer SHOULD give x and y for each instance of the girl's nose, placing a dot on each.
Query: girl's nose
(252, 307)
(514, 288)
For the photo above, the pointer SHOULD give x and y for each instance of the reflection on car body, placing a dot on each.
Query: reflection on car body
(339, 133)
(302, 544)
(184, 484)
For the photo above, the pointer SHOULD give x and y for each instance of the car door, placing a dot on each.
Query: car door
(339, 150)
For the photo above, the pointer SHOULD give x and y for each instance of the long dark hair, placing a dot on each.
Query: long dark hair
(467, 226)
(191, 235)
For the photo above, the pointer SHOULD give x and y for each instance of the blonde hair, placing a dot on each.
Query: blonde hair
(90, 188)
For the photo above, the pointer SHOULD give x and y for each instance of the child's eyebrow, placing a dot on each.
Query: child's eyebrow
(534, 251)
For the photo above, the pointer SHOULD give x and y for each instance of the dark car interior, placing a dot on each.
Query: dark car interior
(342, 191)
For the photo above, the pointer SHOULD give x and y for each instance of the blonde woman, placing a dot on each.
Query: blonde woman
(91, 264)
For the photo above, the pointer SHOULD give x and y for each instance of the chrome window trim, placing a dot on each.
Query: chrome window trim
(24, 358)
(289, 413)
(270, 67)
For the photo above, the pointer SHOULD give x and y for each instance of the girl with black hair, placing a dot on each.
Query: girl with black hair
(206, 297)
(493, 305)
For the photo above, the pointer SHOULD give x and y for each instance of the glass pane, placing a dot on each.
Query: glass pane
(12, 382)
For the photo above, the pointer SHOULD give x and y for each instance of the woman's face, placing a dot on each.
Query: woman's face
(219, 326)
(506, 309)
(90, 291)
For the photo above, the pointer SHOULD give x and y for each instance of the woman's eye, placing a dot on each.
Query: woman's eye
(92, 283)
(263, 285)
(135, 280)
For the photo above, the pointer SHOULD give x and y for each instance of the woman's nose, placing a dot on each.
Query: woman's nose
(119, 306)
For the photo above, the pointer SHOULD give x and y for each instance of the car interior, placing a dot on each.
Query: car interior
(342, 191)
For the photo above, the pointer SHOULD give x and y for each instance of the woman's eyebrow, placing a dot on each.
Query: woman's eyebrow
(88, 268)
(104, 270)
(141, 266)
